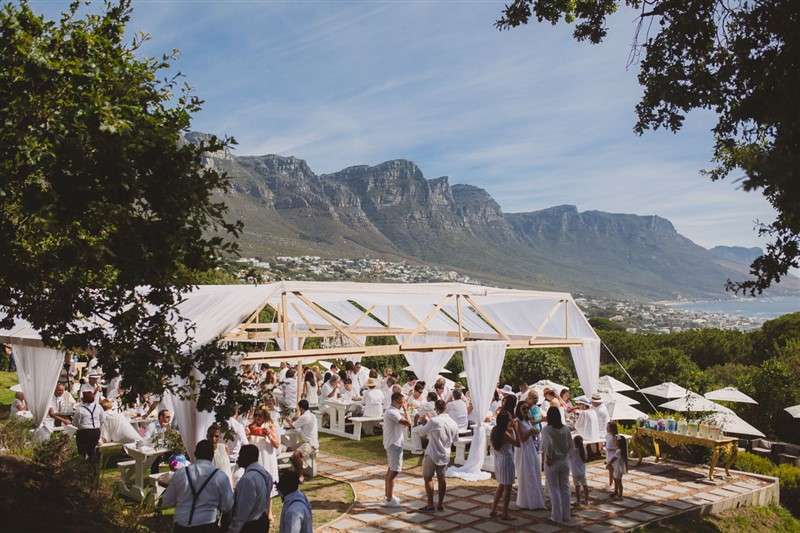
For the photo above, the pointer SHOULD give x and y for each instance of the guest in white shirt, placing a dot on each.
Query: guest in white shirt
(296, 513)
(458, 410)
(602, 414)
(363, 374)
(330, 390)
(417, 396)
(373, 399)
(199, 493)
(61, 404)
(88, 418)
(154, 431)
(116, 426)
(440, 390)
(282, 371)
(393, 421)
(93, 386)
(289, 388)
(442, 433)
(19, 407)
(306, 425)
(238, 439)
(221, 459)
(252, 496)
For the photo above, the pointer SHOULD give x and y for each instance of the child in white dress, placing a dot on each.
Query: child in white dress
(611, 449)
(577, 466)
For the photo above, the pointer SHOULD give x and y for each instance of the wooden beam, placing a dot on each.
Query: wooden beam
(547, 319)
(303, 316)
(485, 317)
(285, 321)
(458, 315)
(21, 341)
(430, 315)
(327, 316)
(362, 317)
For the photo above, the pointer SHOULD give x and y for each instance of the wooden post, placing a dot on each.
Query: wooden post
(458, 314)
(300, 381)
(284, 322)
(566, 319)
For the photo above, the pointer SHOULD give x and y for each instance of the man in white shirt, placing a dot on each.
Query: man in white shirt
(116, 426)
(458, 411)
(373, 399)
(252, 495)
(282, 372)
(88, 418)
(442, 433)
(306, 425)
(289, 388)
(238, 440)
(393, 421)
(94, 386)
(330, 390)
(61, 405)
(154, 431)
(199, 493)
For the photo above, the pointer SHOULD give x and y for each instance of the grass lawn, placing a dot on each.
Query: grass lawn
(367, 450)
(751, 519)
(7, 380)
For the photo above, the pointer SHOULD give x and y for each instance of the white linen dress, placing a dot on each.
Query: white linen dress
(267, 457)
(504, 464)
(529, 480)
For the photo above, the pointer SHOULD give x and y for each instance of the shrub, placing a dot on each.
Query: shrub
(15, 436)
(788, 477)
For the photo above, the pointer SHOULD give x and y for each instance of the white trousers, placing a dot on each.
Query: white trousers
(557, 476)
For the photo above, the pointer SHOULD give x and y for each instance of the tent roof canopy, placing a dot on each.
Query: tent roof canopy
(345, 314)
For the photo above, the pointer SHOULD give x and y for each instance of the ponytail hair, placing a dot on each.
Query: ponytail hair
(578, 441)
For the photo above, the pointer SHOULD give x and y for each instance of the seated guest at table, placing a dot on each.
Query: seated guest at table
(264, 435)
(374, 399)
(296, 513)
(330, 389)
(310, 391)
(199, 493)
(566, 401)
(61, 406)
(88, 418)
(417, 396)
(252, 495)
(19, 407)
(116, 426)
(586, 422)
(154, 432)
(442, 433)
(347, 392)
(221, 459)
(458, 410)
(306, 426)
(94, 386)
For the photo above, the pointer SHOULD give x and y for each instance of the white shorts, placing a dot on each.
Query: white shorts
(394, 456)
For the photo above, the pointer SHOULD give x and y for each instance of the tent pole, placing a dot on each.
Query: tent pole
(458, 314)
(626, 373)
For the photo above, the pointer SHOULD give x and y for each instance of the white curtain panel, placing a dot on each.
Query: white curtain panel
(427, 365)
(37, 370)
(192, 424)
(483, 361)
(586, 359)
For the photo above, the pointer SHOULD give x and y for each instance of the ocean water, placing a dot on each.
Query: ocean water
(760, 308)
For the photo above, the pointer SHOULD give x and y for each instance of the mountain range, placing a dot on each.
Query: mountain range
(392, 211)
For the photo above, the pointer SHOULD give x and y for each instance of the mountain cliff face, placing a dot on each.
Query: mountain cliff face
(391, 210)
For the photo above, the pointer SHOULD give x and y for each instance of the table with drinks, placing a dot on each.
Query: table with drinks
(682, 433)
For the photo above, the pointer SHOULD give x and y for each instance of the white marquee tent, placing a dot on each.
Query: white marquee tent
(429, 320)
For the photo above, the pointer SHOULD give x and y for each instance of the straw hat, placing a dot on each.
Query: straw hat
(596, 398)
(372, 383)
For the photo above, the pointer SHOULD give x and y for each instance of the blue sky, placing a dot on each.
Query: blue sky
(529, 114)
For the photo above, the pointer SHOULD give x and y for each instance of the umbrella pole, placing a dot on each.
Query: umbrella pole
(626, 373)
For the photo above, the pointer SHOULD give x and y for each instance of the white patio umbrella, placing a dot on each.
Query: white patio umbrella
(733, 424)
(666, 390)
(794, 410)
(463, 374)
(612, 384)
(15, 388)
(729, 394)
(547, 384)
(325, 364)
(615, 397)
(695, 403)
(623, 411)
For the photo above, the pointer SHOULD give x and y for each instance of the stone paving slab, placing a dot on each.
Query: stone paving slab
(660, 490)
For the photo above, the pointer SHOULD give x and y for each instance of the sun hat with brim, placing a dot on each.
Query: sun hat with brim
(372, 382)
(583, 400)
(597, 398)
(507, 389)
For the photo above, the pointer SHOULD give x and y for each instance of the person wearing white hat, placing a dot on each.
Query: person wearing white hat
(373, 399)
(602, 414)
(92, 386)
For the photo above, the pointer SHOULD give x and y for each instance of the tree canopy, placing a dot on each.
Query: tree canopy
(739, 59)
(107, 214)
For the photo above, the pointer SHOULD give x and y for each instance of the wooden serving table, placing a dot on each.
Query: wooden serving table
(726, 445)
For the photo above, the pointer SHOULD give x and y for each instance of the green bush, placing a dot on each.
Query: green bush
(788, 477)
(16, 437)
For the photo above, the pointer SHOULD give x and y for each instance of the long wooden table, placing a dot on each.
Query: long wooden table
(726, 445)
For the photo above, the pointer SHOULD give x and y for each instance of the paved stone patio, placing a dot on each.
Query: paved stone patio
(653, 491)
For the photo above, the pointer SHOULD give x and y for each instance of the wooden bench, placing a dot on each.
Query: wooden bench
(365, 422)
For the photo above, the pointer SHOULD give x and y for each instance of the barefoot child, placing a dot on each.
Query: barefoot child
(611, 449)
(577, 465)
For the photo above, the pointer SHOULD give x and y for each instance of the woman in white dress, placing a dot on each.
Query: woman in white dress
(503, 438)
(310, 390)
(526, 461)
(221, 458)
(556, 445)
(263, 433)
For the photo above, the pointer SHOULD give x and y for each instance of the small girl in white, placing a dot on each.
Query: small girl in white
(611, 449)
(577, 465)
(619, 465)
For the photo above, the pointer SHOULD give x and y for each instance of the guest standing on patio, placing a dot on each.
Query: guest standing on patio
(556, 445)
(504, 438)
(442, 433)
(251, 500)
(296, 513)
(394, 419)
(526, 461)
(88, 418)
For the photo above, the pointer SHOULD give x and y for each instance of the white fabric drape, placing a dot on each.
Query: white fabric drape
(586, 359)
(427, 365)
(482, 362)
(192, 424)
(37, 370)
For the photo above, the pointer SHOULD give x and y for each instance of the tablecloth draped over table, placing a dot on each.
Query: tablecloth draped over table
(427, 365)
(482, 362)
(38, 369)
